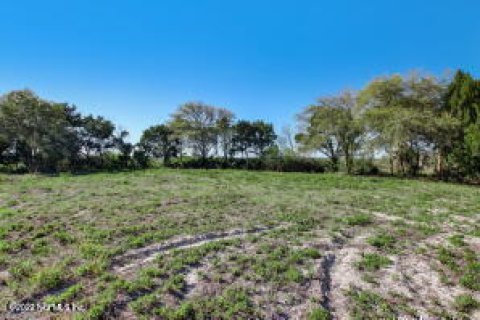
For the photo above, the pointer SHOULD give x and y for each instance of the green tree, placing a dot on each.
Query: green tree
(401, 115)
(252, 137)
(160, 141)
(124, 148)
(462, 101)
(331, 128)
(37, 131)
(263, 136)
(96, 134)
(197, 122)
(462, 98)
(224, 125)
(242, 138)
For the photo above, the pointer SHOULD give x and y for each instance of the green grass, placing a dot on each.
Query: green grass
(360, 219)
(49, 278)
(382, 241)
(466, 303)
(319, 314)
(66, 296)
(471, 278)
(373, 262)
(370, 305)
(59, 236)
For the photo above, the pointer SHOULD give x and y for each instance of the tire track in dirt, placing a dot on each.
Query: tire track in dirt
(136, 258)
(339, 273)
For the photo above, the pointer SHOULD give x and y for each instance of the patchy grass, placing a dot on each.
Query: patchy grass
(471, 278)
(373, 262)
(370, 305)
(466, 303)
(382, 241)
(319, 314)
(359, 219)
(60, 238)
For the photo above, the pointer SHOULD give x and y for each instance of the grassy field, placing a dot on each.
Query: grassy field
(187, 244)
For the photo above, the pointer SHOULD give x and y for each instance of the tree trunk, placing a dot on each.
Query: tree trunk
(439, 165)
(390, 157)
(334, 160)
(348, 161)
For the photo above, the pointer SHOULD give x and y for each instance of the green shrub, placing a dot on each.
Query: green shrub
(365, 167)
(279, 163)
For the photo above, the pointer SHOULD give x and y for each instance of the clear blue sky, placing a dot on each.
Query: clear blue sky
(136, 61)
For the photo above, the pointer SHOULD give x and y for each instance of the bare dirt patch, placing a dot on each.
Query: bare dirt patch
(344, 274)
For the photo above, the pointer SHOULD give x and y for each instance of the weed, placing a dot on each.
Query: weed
(359, 219)
(382, 241)
(40, 247)
(293, 274)
(466, 303)
(369, 305)
(22, 270)
(457, 240)
(319, 314)
(65, 296)
(471, 278)
(373, 262)
(50, 278)
(64, 237)
(448, 258)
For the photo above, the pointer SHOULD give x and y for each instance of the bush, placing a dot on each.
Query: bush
(280, 164)
(365, 167)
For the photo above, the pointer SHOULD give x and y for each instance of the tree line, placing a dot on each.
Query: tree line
(415, 123)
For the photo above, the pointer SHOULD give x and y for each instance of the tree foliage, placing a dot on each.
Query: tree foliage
(45, 136)
(332, 128)
(418, 122)
(197, 123)
(160, 141)
(252, 137)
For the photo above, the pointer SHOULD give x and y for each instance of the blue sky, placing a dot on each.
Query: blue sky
(136, 61)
